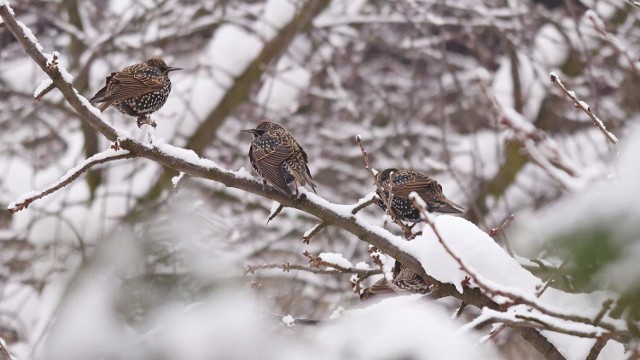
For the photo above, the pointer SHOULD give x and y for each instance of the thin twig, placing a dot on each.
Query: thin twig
(363, 205)
(500, 231)
(275, 213)
(44, 92)
(547, 283)
(316, 229)
(615, 42)
(612, 139)
(286, 267)
(73, 174)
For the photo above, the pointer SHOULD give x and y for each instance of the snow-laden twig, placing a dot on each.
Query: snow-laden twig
(306, 237)
(620, 47)
(495, 290)
(71, 175)
(612, 139)
(286, 267)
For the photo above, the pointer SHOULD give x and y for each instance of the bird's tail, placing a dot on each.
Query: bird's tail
(303, 178)
(447, 206)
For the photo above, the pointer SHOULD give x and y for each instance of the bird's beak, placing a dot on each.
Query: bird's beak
(173, 69)
(250, 131)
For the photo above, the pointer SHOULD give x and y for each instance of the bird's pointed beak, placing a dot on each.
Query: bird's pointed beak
(250, 131)
(173, 69)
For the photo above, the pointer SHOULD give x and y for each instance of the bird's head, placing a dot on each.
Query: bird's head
(161, 65)
(263, 127)
(384, 174)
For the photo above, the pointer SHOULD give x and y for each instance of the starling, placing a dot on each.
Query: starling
(278, 158)
(404, 280)
(407, 181)
(137, 90)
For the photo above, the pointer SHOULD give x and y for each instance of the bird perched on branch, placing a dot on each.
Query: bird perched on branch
(402, 183)
(403, 281)
(137, 90)
(278, 158)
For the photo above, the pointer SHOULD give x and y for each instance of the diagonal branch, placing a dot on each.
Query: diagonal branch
(71, 175)
(612, 139)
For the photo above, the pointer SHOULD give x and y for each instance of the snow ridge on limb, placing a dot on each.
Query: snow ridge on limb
(469, 257)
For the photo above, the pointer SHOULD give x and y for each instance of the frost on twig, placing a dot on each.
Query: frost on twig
(620, 47)
(312, 232)
(71, 175)
(317, 268)
(612, 139)
(276, 208)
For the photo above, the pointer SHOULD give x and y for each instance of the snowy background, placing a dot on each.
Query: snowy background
(130, 261)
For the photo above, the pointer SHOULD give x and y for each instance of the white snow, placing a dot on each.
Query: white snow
(43, 85)
(7, 4)
(335, 259)
(372, 333)
(289, 321)
(274, 207)
(29, 35)
(309, 231)
(243, 173)
(176, 179)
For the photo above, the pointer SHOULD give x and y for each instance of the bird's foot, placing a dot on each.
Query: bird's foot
(145, 120)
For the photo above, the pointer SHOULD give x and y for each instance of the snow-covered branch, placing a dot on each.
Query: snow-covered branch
(71, 175)
(612, 139)
(187, 161)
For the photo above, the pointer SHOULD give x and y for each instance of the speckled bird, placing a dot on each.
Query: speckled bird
(403, 281)
(407, 181)
(137, 90)
(278, 158)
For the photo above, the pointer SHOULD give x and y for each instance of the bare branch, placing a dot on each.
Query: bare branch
(71, 175)
(612, 139)
(286, 267)
(312, 232)
(615, 42)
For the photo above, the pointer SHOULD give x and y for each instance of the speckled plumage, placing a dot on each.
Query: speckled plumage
(278, 158)
(403, 280)
(137, 90)
(407, 181)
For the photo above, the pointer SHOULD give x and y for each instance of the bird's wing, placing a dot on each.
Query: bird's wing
(127, 84)
(269, 157)
(426, 187)
(430, 191)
